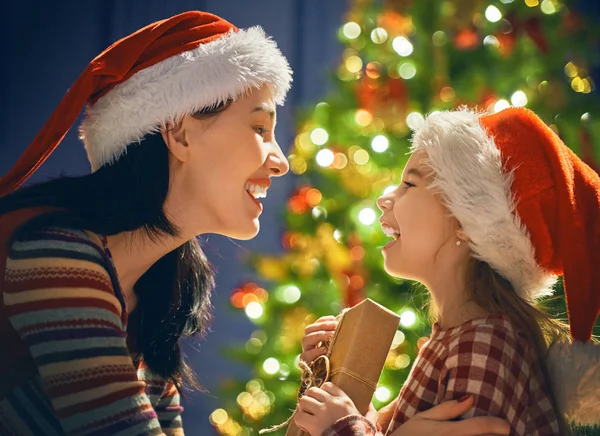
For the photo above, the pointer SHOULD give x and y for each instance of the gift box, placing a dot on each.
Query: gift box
(356, 354)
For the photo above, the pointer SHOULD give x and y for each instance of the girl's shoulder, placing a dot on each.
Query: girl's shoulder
(493, 337)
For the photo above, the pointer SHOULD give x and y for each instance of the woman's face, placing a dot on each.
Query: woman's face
(424, 233)
(221, 164)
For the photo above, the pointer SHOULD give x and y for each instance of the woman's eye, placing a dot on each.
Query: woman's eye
(408, 184)
(260, 130)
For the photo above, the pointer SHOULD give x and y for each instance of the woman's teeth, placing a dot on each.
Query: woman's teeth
(390, 232)
(255, 190)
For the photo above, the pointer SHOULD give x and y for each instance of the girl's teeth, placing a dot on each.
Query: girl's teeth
(256, 191)
(390, 232)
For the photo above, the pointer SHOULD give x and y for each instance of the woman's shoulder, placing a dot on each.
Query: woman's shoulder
(57, 241)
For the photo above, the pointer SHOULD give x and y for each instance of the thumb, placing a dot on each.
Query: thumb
(448, 410)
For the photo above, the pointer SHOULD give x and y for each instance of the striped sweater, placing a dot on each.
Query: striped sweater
(62, 296)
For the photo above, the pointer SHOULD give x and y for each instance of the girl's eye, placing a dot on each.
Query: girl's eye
(408, 184)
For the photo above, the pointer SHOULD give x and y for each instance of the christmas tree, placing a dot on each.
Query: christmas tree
(402, 59)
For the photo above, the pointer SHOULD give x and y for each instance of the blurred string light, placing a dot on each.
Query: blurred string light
(402, 46)
(439, 38)
(271, 366)
(351, 30)
(491, 41)
(407, 318)
(399, 338)
(579, 83)
(290, 294)
(389, 189)
(254, 310)
(380, 143)
(319, 136)
(360, 156)
(493, 14)
(379, 35)
(324, 157)
(367, 216)
(501, 105)
(414, 120)
(549, 7)
(248, 293)
(397, 360)
(225, 425)
(518, 99)
(407, 70)
(382, 394)
(354, 64)
(532, 3)
(363, 117)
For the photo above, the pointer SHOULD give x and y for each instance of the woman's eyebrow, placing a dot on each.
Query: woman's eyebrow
(265, 108)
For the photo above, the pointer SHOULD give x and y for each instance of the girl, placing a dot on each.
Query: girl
(490, 210)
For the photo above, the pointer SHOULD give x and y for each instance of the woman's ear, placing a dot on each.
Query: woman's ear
(174, 137)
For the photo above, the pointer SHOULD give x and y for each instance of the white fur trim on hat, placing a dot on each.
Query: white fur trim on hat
(575, 373)
(469, 176)
(163, 93)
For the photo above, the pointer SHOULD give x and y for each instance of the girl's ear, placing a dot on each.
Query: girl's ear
(174, 137)
(461, 235)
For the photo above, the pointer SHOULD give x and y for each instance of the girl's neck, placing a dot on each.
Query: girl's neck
(454, 315)
(452, 301)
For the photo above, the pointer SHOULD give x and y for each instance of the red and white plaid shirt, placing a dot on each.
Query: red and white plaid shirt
(485, 358)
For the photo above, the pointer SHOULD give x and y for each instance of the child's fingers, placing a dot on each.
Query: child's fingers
(326, 318)
(312, 354)
(309, 405)
(333, 390)
(321, 326)
(311, 340)
(318, 394)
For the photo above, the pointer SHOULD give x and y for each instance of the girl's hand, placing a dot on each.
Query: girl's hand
(314, 334)
(320, 408)
(435, 421)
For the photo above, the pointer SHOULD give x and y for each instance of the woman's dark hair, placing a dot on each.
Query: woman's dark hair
(174, 294)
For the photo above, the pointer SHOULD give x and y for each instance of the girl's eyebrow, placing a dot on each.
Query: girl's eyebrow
(414, 172)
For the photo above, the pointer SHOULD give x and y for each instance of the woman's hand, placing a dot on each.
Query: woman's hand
(435, 421)
(320, 408)
(314, 334)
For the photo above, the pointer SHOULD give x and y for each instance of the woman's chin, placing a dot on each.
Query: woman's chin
(244, 232)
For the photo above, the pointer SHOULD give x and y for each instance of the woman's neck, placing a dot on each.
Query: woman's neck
(133, 254)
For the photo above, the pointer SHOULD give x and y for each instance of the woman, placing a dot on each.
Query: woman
(102, 274)
(491, 209)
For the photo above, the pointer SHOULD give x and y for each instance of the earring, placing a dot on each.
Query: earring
(458, 242)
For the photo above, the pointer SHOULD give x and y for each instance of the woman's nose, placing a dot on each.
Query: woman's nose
(277, 162)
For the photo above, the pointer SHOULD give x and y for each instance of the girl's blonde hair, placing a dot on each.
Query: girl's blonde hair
(496, 295)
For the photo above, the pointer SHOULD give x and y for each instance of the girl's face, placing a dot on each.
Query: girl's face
(220, 165)
(424, 233)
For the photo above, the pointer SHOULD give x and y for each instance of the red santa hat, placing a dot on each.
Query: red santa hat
(154, 76)
(530, 209)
